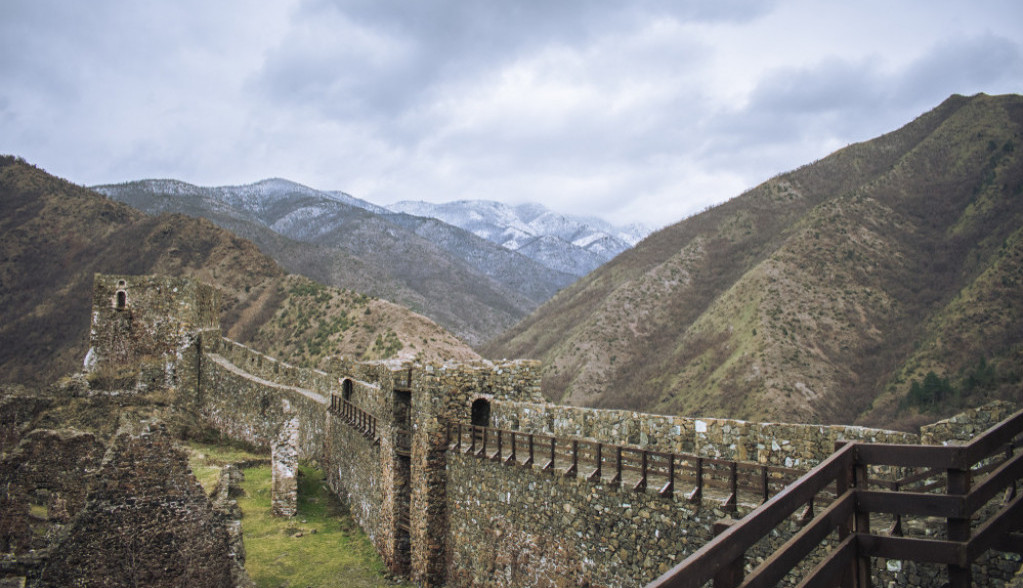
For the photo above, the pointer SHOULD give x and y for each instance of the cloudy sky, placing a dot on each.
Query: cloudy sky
(633, 110)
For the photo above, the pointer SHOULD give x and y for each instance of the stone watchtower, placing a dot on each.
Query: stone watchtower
(147, 330)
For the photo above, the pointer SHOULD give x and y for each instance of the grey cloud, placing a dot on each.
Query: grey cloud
(833, 84)
(960, 66)
(442, 42)
(500, 26)
(849, 101)
(866, 87)
(596, 105)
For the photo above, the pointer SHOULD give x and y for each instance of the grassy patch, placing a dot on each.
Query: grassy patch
(207, 459)
(321, 546)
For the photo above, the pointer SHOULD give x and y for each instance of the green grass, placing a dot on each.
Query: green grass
(206, 459)
(320, 547)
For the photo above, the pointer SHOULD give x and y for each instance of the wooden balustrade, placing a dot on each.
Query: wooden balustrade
(941, 485)
(620, 464)
(355, 417)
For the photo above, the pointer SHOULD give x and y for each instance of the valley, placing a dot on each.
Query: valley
(826, 294)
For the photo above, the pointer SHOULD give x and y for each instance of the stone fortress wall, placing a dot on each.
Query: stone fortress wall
(789, 445)
(441, 506)
(252, 405)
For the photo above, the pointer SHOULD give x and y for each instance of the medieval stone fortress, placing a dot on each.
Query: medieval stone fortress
(462, 475)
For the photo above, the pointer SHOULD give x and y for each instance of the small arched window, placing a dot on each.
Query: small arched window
(346, 390)
(481, 412)
(121, 300)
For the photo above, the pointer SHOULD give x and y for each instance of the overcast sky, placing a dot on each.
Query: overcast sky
(633, 110)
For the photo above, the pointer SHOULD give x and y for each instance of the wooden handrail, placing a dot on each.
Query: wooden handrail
(354, 416)
(847, 468)
(574, 457)
(700, 567)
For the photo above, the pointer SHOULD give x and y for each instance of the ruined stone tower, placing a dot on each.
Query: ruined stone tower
(147, 329)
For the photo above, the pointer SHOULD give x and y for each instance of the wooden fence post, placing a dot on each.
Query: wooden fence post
(574, 468)
(959, 528)
(731, 574)
(618, 466)
(596, 473)
(669, 487)
(550, 464)
(697, 493)
(511, 458)
(641, 484)
(732, 502)
(842, 483)
(764, 483)
(862, 520)
(483, 450)
(500, 448)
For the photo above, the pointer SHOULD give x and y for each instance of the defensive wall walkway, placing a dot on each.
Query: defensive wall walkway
(477, 504)
(462, 475)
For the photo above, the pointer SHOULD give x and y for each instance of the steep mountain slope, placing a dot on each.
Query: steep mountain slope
(571, 244)
(818, 296)
(57, 235)
(469, 285)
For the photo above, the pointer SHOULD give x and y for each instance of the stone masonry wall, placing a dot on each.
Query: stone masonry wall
(442, 516)
(442, 395)
(357, 471)
(146, 317)
(518, 526)
(778, 444)
(268, 368)
(510, 525)
(50, 470)
(963, 427)
(252, 409)
(284, 470)
(146, 522)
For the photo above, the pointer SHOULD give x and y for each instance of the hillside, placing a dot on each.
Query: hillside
(821, 295)
(57, 235)
(471, 286)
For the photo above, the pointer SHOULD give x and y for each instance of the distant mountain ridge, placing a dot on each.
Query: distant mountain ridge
(56, 235)
(881, 285)
(469, 285)
(572, 244)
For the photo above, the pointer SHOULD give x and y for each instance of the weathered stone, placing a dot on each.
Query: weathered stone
(148, 522)
(284, 470)
(444, 508)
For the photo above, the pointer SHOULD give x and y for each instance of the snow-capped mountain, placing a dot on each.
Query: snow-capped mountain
(572, 244)
(468, 284)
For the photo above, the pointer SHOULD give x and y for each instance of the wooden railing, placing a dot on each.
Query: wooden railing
(358, 419)
(940, 484)
(638, 468)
